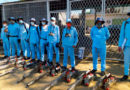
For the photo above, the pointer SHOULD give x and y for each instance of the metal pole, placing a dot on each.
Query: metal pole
(95, 14)
(103, 8)
(3, 13)
(48, 10)
(68, 9)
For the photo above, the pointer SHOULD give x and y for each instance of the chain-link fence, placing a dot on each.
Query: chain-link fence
(115, 14)
(83, 14)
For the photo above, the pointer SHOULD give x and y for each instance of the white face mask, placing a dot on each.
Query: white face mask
(43, 23)
(32, 23)
(53, 23)
(4, 25)
(21, 21)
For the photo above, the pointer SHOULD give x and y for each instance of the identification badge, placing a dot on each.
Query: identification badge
(51, 34)
(67, 35)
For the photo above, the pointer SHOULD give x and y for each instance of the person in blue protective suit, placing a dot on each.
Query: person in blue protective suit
(34, 39)
(53, 39)
(43, 39)
(43, 28)
(99, 35)
(124, 44)
(5, 40)
(24, 27)
(69, 42)
(13, 32)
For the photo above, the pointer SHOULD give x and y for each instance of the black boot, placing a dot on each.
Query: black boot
(8, 61)
(102, 73)
(24, 57)
(57, 68)
(93, 71)
(57, 64)
(4, 57)
(27, 58)
(40, 63)
(124, 78)
(18, 56)
(52, 69)
(73, 69)
(45, 63)
(50, 64)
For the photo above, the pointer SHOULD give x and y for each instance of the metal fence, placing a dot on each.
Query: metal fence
(28, 10)
(83, 14)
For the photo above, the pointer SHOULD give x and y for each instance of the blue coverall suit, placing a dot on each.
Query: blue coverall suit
(67, 43)
(13, 31)
(34, 39)
(53, 40)
(5, 39)
(43, 41)
(23, 35)
(125, 33)
(99, 37)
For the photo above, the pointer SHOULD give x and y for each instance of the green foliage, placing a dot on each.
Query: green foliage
(117, 21)
(90, 23)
